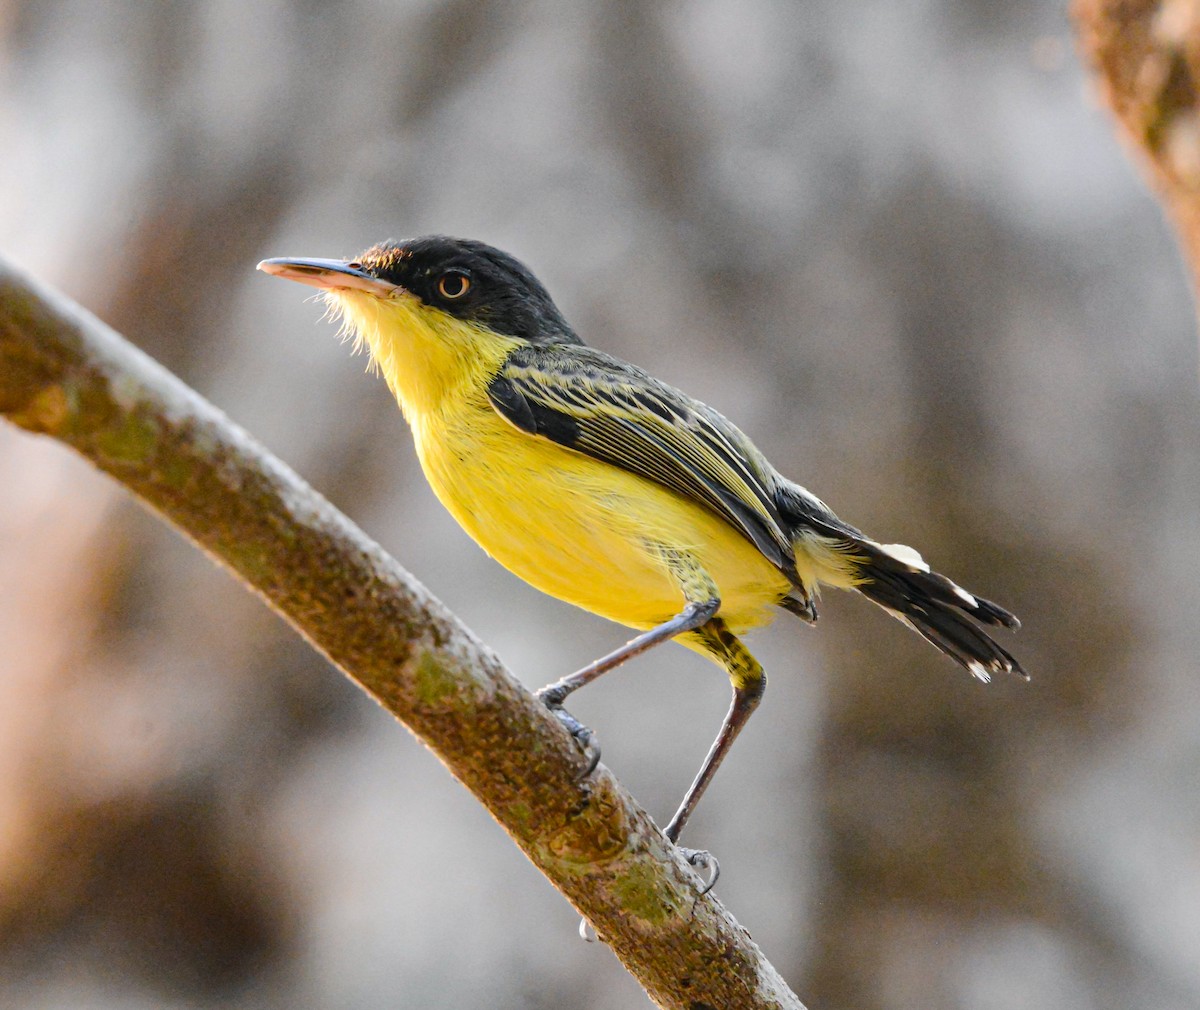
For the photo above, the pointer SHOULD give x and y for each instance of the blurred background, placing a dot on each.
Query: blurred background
(897, 242)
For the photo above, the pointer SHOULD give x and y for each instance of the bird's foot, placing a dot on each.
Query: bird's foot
(583, 735)
(706, 863)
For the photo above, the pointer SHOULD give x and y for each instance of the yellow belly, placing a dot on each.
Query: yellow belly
(583, 531)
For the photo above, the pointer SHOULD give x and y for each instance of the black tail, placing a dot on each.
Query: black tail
(898, 580)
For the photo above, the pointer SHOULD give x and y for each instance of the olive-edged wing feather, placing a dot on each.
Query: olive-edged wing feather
(598, 405)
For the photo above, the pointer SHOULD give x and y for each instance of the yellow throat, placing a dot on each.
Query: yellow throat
(425, 355)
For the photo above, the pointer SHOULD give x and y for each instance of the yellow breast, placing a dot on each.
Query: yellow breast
(582, 530)
(576, 528)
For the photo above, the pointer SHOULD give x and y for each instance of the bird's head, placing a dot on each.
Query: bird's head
(430, 308)
(432, 311)
(435, 282)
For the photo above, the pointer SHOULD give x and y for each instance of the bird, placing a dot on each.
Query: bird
(607, 488)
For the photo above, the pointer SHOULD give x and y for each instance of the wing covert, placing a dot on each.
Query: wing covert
(592, 403)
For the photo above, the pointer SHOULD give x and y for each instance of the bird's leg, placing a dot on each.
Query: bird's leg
(702, 603)
(749, 682)
(553, 695)
(689, 619)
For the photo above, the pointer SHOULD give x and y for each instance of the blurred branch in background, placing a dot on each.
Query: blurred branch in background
(1146, 56)
(64, 374)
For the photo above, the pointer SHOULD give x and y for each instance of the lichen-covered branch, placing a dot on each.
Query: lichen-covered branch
(1146, 57)
(66, 375)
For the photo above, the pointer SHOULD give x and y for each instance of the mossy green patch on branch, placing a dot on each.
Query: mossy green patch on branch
(520, 817)
(46, 412)
(176, 472)
(436, 686)
(133, 440)
(643, 892)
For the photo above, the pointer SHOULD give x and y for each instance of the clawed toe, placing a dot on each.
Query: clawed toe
(591, 750)
(705, 862)
(583, 735)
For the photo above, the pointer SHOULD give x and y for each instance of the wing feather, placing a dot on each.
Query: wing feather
(614, 412)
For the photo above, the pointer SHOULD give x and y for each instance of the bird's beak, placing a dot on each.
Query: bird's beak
(329, 275)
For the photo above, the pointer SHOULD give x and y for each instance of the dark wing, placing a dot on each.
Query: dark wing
(612, 411)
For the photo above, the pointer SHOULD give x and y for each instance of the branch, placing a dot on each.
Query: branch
(65, 374)
(1146, 56)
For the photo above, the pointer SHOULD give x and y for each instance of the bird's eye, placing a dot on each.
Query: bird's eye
(453, 284)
